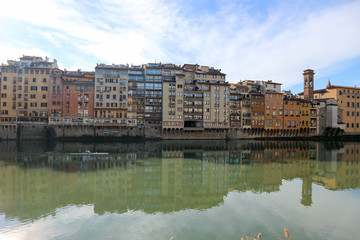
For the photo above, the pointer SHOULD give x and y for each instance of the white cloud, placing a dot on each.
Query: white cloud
(8, 51)
(278, 46)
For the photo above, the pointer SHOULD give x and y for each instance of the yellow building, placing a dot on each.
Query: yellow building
(305, 117)
(347, 98)
(25, 89)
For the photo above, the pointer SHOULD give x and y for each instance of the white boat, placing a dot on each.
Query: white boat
(90, 153)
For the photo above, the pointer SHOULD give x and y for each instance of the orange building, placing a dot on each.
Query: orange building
(78, 94)
(273, 113)
(291, 116)
(55, 93)
(257, 112)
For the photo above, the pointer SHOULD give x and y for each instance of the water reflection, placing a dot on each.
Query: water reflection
(38, 178)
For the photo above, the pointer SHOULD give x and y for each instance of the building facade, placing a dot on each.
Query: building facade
(274, 113)
(347, 99)
(78, 94)
(111, 93)
(25, 89)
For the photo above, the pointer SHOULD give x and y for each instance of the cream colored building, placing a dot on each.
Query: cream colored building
(111, 93)
(173, 99)
(206, 98)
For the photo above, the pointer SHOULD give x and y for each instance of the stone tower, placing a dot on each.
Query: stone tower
(308, 84)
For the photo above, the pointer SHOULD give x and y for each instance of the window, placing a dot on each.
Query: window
(33, 88)
(79, 88)
(43, 104)
(34, 79)
(278, 122)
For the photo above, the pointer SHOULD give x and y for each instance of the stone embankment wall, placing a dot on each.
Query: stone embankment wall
(44, 131)
(8, 131)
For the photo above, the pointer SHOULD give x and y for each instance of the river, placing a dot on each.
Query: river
(181, 189)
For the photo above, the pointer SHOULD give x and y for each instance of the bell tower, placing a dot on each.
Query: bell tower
(308, 84)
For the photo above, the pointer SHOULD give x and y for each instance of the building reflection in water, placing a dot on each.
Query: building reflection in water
(38, 178)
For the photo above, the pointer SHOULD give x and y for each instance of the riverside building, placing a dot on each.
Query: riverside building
(348, 99)
(274, 113)
(78, 94)
(158, 99)
(111, 94)
(136, 96)
(25, 89)
(206, 98)
(173, 99)
(55, 93)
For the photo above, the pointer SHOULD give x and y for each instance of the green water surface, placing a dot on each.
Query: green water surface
(184, 189)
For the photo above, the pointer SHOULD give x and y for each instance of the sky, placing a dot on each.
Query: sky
(246, 39)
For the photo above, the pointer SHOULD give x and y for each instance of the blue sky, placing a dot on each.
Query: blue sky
(247, 39)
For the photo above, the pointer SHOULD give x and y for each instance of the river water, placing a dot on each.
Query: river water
(181, 189)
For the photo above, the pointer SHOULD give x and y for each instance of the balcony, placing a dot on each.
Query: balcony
(193, 97)
(192, 105)
(194, 113)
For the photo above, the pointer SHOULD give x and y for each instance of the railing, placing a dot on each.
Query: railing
(84, 121)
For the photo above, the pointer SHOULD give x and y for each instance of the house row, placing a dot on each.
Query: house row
(172, 97)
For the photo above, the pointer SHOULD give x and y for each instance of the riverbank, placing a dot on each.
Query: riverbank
(43, 131)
